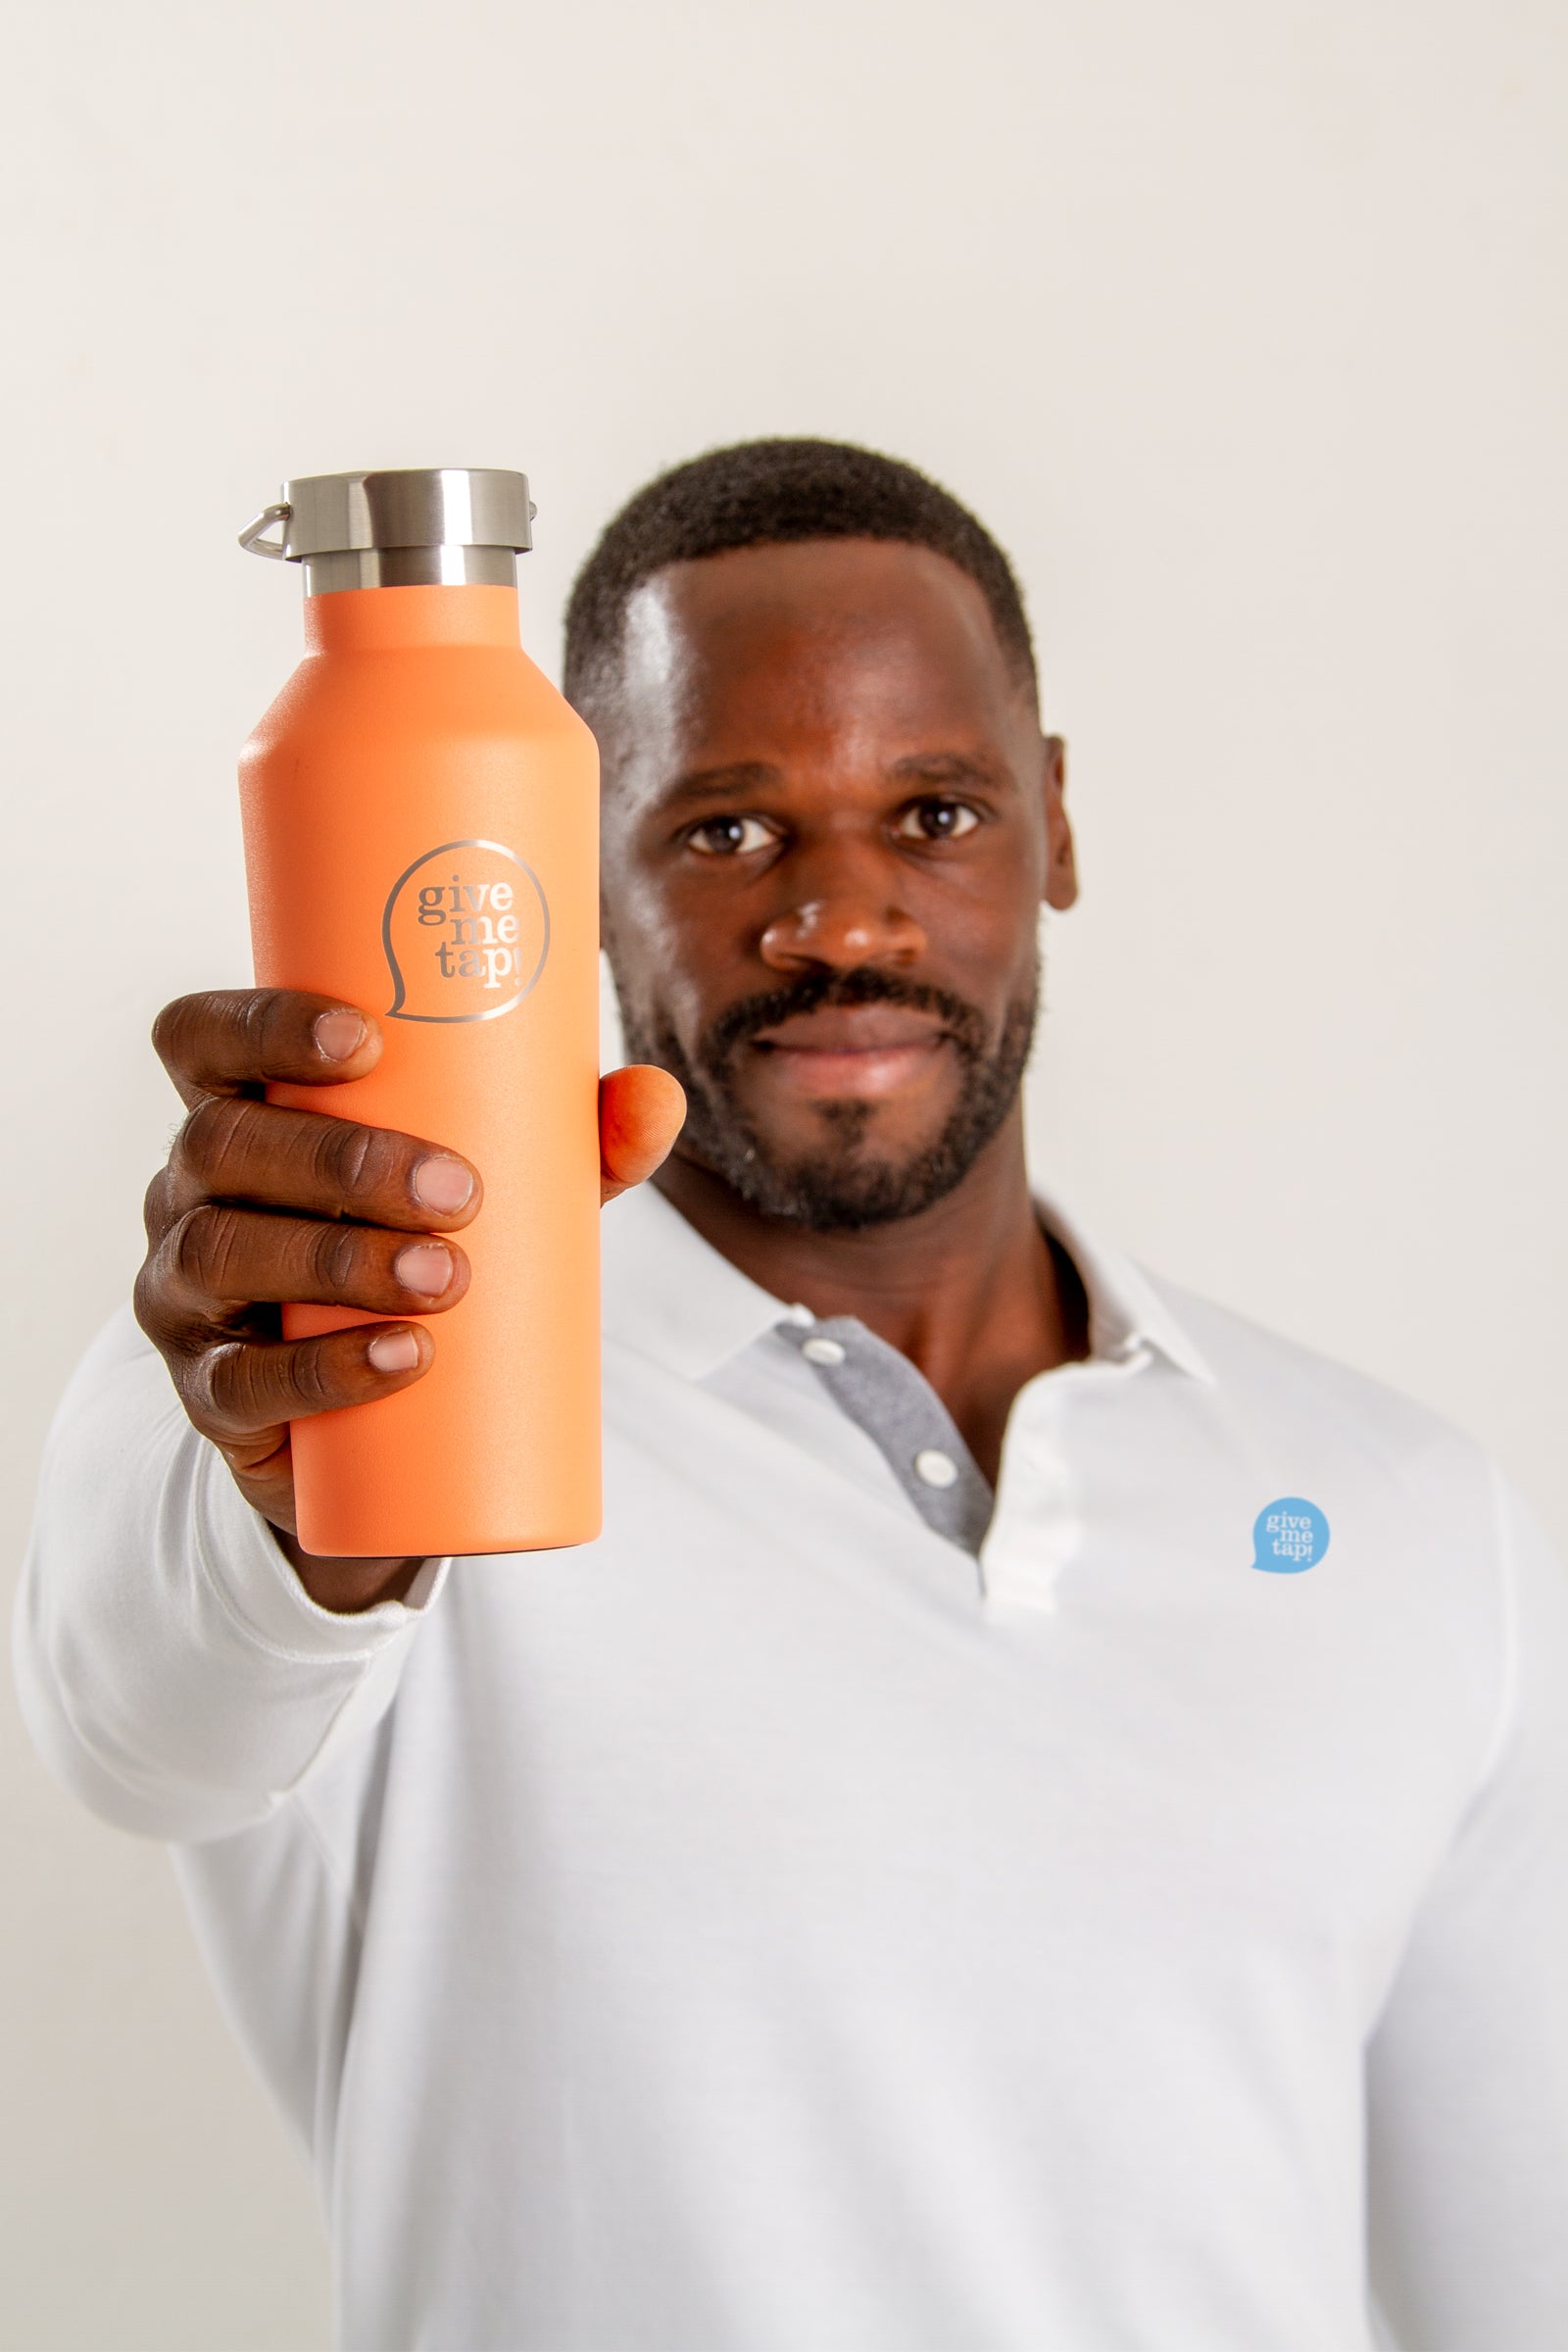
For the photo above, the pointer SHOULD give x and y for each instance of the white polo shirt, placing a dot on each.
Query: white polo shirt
(775, 1928)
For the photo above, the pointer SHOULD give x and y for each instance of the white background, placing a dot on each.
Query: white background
(1239, 321)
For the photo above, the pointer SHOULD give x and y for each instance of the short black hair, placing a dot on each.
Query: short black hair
(762, 493)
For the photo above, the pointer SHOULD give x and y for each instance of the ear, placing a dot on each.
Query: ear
(1061, 871)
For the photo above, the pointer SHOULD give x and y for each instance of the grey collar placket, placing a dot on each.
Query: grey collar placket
(888, 1397)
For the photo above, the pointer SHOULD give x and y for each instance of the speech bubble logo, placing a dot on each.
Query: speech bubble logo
(1289, 1535)
(465, 930)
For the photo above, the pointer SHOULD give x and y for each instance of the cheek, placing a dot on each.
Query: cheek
(635, 916)
(668, 958)
(984, 925)
(671, 914)
(669, 942)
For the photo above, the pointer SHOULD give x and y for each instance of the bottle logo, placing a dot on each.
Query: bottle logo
(467, 931)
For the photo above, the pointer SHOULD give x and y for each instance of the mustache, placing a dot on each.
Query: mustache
(865, 984)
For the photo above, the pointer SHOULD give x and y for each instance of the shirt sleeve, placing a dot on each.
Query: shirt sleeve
(1468, 2068)
(173, 1671)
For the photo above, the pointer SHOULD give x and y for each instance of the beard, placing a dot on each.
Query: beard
(846, 1183)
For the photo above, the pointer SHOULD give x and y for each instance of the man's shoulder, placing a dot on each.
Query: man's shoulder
(1261, 1370)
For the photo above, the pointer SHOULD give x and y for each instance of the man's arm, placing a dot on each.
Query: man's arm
(1468, 2069)
(181, 1662)
(173, 1669)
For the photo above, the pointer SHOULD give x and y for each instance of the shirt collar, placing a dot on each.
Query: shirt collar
(671, 1296)
(1125, 1310)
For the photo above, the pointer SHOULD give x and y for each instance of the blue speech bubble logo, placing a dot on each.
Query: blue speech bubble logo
(1289, 1535)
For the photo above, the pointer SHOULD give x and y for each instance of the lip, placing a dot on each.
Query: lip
(852, 1029)
(849, 1051)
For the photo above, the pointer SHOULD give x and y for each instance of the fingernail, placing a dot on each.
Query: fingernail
(423, 1267)
(443, 1184)
(394, 1351)
(337, 1035)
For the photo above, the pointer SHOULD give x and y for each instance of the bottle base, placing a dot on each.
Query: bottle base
(322, 1544)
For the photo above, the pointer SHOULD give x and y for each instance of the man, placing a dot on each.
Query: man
(1035, 1825)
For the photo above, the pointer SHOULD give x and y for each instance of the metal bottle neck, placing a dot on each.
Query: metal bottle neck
(410, 568)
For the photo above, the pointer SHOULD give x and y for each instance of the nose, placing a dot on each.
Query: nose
(843, 917)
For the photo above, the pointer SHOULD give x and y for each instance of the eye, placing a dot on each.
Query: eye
(730, 836)
(934, 820)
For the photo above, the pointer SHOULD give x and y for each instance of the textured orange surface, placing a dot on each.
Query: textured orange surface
(418, 720)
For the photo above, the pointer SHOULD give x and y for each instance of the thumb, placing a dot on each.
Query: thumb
(639, 1114)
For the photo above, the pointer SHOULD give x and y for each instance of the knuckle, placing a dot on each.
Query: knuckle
(255, 1016)
(150, 1305)
(223, 1388)
(202, 1384)
(154, 1207)
(248, 1392)
(272, 1027)
(183, 1248)
(171, 1033)
(333, 1256)
(211, 1136)
(311, 1380)
(202, 1245)
(353, 1162)
(208, 1036)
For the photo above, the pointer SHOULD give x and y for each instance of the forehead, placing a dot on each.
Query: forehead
(818, 629)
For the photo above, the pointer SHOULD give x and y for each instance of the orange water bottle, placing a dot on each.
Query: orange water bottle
(421, 813)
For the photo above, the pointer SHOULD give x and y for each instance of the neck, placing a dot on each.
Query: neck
(970, 1289)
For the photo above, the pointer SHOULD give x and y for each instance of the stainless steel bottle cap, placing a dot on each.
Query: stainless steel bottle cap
(416, 527)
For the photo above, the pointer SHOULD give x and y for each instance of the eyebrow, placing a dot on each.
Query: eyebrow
(754, 775)
(949, 767)
(714, 783)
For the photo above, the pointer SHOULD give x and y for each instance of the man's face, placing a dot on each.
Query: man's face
(829, 820)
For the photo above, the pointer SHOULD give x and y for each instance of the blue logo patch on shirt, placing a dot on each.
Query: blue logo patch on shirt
(1289, 1535)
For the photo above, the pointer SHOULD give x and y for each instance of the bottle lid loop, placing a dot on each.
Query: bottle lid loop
(251, 537)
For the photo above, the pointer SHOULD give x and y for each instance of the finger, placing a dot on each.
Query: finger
(641, 1111)
(158, 1204)
(243, 1394)
(229, 1038)
(217, 1257)
(234, 1147)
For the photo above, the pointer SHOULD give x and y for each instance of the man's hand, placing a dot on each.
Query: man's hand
(260, 1204)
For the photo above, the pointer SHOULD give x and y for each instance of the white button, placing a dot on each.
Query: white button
(822, 1352)
(936, 1468)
